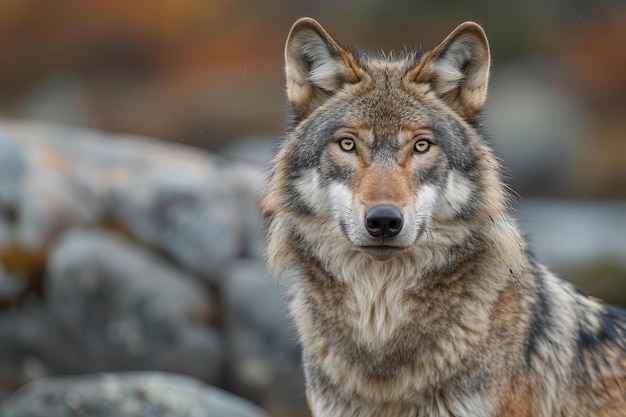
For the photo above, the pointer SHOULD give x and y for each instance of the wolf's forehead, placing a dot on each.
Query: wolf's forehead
(385, 100)
(386, 107)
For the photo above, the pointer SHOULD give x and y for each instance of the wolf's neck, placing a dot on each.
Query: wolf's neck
(377, 299)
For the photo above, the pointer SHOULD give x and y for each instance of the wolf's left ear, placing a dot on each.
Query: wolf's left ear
(458, 69)
(316, 66)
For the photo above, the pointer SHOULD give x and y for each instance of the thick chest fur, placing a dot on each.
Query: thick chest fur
(375, 336)
(375, 309)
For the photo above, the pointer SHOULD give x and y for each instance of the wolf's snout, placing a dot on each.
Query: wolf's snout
(383, 221)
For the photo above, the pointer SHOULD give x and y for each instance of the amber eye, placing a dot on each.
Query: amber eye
(422, 145)
(347, 144)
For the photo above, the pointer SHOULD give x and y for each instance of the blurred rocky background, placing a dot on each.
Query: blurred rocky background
(133, 138)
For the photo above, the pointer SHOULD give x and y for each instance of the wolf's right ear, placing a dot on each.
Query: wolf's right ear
(316, 66)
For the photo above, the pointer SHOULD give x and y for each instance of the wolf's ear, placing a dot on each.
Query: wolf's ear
(458, 69)
(316, 66)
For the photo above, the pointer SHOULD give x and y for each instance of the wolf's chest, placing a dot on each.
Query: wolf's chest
(374, 337)
(375, 310)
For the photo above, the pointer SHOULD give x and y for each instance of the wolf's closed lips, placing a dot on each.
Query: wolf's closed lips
(381, 252)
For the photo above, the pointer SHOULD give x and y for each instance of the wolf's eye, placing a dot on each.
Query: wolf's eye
(347, 144)
(422, 145)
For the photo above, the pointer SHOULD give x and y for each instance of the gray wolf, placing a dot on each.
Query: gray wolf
(412, 288)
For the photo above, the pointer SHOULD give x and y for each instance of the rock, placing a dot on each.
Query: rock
(13, 167)
(6, 231)
(48, 204)
(125, 242)
(10, 287)
(264, 357)
(39, 187)
(30, 341)
(93, 267)
(110, 306)
(199, 233)
(132, 394)
(191, 205)
(174, 211)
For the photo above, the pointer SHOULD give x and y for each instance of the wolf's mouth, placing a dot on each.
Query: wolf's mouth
(381, 252)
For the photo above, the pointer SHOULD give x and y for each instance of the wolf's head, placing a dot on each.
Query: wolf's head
(384, 154)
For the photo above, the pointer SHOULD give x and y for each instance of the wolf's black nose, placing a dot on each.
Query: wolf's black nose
(383, 221)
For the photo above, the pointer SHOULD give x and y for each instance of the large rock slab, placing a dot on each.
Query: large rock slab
(190, 204)
(136, 394)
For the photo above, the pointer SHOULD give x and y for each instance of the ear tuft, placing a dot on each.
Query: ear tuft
(458, 69)
(315, 65)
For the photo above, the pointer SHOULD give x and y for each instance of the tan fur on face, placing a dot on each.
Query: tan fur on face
(382, 186)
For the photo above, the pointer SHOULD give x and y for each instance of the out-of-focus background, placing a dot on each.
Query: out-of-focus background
(133, 138)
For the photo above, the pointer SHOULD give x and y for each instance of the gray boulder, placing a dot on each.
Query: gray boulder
(129, 308)
(10, 287)
(169, 211)
(14, 163)
(90, 267)
(110, 306)
(136, 394)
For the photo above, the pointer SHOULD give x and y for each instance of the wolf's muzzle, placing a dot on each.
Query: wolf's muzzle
(383, 221)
